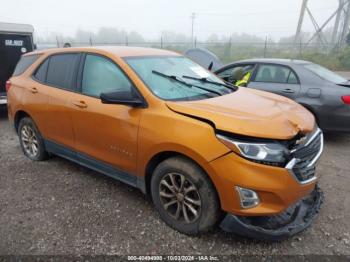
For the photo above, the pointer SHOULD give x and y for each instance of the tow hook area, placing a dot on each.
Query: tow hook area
(293, 220)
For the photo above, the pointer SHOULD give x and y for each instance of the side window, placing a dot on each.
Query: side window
(101, 75)
(41, 72)
(227, 72)
(62, 70)
(275, 74)
(292, 79)
(24, 63)
(237, 73)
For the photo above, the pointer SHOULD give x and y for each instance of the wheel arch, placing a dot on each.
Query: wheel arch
(162, 156)
(18, 116)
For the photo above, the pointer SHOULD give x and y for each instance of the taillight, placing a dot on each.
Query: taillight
(8, 86)
(346, 99)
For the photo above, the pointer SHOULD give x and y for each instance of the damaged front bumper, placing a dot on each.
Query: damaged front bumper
(293, 220)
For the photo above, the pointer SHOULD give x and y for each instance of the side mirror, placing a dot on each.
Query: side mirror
(122, 98)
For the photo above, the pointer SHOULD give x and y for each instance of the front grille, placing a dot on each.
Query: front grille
(304, 168)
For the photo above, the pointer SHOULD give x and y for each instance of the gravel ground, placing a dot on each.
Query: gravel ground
(57, 208)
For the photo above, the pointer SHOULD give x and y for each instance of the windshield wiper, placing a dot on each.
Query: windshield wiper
(175, 78)
(206, 80)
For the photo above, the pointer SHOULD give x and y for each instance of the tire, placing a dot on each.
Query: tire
(28, 135)
(200, 191)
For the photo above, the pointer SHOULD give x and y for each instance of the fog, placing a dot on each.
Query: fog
(151, 19)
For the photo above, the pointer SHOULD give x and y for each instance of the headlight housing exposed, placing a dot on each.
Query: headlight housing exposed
(269, 153)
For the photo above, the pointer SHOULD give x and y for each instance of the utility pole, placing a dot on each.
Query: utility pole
(90, 40)
(265, 47)
(57, 42)
(193, 16)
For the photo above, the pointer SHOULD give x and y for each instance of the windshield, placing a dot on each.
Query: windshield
(156, 72)
(325, 73)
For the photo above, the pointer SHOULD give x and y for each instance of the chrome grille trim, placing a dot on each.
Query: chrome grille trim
(294, 161)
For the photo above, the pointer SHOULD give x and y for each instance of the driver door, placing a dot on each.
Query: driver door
(105, 133)
(236, 72)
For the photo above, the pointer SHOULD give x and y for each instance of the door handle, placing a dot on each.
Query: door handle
(34, 90)
(288, 90)
(80, 104)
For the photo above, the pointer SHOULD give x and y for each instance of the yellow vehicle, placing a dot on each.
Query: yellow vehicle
(160, 122)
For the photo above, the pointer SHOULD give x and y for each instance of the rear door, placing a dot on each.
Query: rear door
(59, 73)
(278, 79)
(12, 46)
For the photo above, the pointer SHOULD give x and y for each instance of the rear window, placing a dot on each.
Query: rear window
(24, 63)
(62, 70)
(326, 74)
(275, 74)
(41, 72)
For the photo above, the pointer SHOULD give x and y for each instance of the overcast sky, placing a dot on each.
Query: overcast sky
(274, 18)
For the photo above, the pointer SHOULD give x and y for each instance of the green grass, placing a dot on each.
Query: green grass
(338, 60)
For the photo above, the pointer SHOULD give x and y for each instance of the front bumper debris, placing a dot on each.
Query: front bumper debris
(295, 219)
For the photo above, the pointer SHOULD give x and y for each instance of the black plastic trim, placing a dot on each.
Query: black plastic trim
(92, 163)
(304, 214)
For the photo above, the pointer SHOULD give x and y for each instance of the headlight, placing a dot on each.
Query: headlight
(270, 153)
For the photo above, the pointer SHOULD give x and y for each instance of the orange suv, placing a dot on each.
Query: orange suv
(206, 151)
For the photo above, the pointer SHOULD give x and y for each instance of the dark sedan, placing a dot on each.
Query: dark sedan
(325, 93)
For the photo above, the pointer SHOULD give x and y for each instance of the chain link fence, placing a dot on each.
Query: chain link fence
(227, 52)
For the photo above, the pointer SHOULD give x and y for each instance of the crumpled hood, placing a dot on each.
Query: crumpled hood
(252, 113)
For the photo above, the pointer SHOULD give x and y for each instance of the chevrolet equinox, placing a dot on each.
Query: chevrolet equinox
(207, 152)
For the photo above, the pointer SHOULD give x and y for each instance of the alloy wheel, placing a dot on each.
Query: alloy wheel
(180, 197)
(29, 140)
